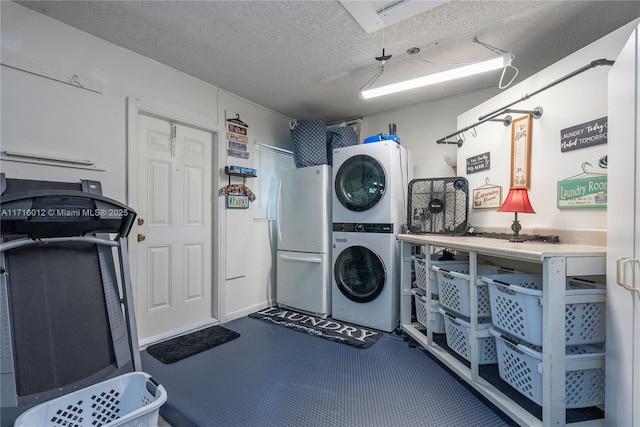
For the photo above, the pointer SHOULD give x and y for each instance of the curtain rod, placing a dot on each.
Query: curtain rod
(503, 110)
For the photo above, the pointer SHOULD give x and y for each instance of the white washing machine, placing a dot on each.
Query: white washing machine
(370, 183)
(366, 278)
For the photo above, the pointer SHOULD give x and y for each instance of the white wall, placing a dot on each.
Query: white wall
(420, 126)
(41, 115)
(250, 249)
(578, 100)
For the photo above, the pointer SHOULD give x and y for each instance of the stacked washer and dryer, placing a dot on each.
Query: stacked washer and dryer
(369, 209)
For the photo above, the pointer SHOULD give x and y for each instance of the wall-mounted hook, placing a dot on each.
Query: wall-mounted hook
(461, 139)
(474, 132)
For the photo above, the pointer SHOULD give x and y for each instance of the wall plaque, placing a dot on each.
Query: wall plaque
(584, 135)
(478, 163)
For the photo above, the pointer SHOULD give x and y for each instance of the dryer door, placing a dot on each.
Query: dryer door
(360, 183)
(360, 274)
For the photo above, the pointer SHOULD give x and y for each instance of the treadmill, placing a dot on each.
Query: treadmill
(66, 304)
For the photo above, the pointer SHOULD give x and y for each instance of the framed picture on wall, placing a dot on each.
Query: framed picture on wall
(521, 152)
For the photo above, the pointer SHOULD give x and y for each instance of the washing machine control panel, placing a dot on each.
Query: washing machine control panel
(351, 227)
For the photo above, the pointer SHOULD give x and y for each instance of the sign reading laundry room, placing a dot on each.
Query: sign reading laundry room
(487, 196)
(479, 163)
(589, 192)
(584, 135)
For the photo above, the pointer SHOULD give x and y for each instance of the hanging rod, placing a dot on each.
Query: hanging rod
(503, 110)
(536, 113)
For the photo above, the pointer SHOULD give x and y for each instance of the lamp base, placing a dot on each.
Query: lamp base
(516, 227)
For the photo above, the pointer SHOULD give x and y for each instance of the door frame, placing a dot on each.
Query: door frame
(180, 115)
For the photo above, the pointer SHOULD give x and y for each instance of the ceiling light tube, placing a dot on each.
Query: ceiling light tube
(456, 73)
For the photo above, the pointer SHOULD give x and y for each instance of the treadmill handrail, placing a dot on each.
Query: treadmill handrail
(12, 244)
(113, 210)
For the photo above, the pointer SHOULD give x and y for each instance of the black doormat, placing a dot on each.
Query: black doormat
(179, 348)
(330, 329)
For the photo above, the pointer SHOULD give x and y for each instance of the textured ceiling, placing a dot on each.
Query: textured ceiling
(308, 59)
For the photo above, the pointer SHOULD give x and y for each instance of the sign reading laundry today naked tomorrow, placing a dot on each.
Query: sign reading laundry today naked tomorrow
(589, 192)
(584, 135)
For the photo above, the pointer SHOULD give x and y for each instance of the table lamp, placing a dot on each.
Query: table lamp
(517, 201)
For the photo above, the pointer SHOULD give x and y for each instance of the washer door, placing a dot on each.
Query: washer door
(360, 183)
(360, 274)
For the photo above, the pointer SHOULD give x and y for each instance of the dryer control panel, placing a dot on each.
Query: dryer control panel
(352, 227)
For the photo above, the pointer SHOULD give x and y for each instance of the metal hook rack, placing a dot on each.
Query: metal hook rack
(536, 113)
(493, 115)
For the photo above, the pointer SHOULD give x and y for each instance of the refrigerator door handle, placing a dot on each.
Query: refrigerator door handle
(278, 209)
(624, 264)
(310, 260)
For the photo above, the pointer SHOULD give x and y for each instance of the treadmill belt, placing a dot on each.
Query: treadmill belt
(60, 322)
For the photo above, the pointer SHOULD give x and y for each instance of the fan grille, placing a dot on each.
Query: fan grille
(438, 205)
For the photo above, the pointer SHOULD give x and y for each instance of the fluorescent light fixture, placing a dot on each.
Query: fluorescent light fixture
(456, 73)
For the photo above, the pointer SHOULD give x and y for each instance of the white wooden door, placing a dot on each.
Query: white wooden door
(622, 403)
(173, 252)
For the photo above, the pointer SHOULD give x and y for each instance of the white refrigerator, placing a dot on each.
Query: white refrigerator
(303, 222)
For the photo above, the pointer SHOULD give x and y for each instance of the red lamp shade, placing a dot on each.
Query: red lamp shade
(517, 201)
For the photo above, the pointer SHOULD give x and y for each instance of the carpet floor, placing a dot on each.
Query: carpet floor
(274, 376)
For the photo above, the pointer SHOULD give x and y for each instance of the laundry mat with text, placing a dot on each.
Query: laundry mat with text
(325, 328)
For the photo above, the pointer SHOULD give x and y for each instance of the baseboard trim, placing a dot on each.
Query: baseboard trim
(249, 309)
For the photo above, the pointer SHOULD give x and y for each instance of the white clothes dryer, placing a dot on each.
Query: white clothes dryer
(371, 182)
(366, 279)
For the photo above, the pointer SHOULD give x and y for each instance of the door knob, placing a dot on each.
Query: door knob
(141, 237)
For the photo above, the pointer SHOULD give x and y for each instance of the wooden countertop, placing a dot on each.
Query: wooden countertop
(526, 251)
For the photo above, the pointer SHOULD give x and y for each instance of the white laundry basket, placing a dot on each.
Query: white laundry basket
(520, 365)
(128, 400)
(427, 312)
(422, 275)
(454, 290)
(517, 310)
(457, 332)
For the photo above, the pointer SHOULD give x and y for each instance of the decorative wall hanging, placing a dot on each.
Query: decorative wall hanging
(584, 135)
(585, 190)
(238, 195)
(487, 196)
(479, 163)
(521, 152)
(237, 201)
(237, 138)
